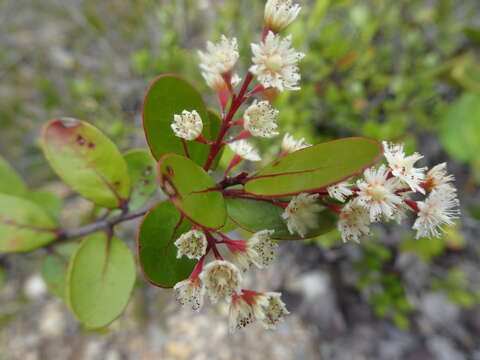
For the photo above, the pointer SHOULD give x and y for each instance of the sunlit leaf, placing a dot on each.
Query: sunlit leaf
(192, 191)
(24, 226)
(315, 167)
(156, 250)
(10, 182)
(100, 278)
(87, 161)
(48, 201)
(54, 268)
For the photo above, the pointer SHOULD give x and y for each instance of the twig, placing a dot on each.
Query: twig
(101, 225)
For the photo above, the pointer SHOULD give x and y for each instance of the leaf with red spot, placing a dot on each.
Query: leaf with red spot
(24, 225)
(192, 190)
(315, 167)
(87, 161)
(169, 95)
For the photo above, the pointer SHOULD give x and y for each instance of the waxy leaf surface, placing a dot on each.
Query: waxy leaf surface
(157, 252)
(100, 278)
(257, 215)
(54, 268)
(141, 166)
(10, 182)
(24, 226)
(167, 96)
(48, 201)
(87, 161)
(192, 191)
(315, 167)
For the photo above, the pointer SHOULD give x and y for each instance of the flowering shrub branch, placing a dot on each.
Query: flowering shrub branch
(381, 194)
(186, 243)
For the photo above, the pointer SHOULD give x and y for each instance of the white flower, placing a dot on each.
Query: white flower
(265, 307)
(215, 80)
(439, 208)
(259, 119)
(377, 193)
(289, 144)
(274, 311)
(280, 13)
(240, 314)
(340, 191)
(259, 249)
(190, 291)
(300, 213)
(353, 222)
(192, 244)
(246, 309)
(402, 166)
(245, 150)
(188, 125)
(220, 57)
(264, 246)
(221, 279)
(438, 178)
(276, 64)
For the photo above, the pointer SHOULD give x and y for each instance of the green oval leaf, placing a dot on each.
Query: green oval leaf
(87, 161)
(24, 226)
(48, 201)
(192, 191)
(10, 182)
(315, 167)
(256, 215)
(101, 275)
(54, 268)
(169, 95)
(141, 166)
(157, 252)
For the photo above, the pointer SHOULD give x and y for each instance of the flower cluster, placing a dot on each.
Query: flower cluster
(274, 65)
(221, 279)
(381, 193)
(384, 194)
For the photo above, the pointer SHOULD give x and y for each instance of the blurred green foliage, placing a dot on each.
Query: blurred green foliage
(382, 285)
(456, 286)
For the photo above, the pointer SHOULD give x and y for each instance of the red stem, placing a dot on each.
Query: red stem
(237, 101)
(212, 243)
(413, 205)
(244, 134)
(266, 29)
(198, 268)
(335, 208)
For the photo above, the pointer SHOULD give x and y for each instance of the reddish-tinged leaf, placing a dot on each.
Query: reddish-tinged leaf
(87, 161)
